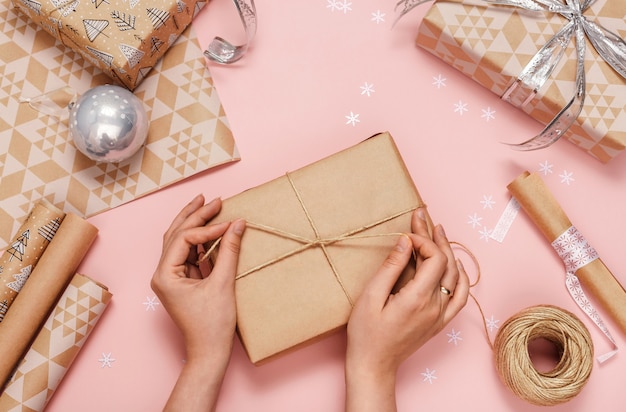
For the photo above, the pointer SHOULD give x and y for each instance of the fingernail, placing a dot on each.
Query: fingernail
(239, 226)
(459, 264)
(403, 243)
(215, 199)
(421, 214)
(441, 231)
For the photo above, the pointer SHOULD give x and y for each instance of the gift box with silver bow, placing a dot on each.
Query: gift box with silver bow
(562, 62)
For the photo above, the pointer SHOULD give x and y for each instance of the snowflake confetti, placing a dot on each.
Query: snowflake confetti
(429, 376)
(566, 177)
(353, 119)
(439, 81)
(343, 5)
(106, 360)
(455, 337)
(487, 202)
(460, 108)
(488, 114)
(151, 303)
(378, 17)
(474, 220)
(492, 323)
(485, 234)
(545, 168)
(367, 89)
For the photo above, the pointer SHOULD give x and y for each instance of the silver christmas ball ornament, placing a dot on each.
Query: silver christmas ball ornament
(108, 124)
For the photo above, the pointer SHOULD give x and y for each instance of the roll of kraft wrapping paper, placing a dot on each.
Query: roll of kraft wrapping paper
(56, 346)
(595, 278)
(20, 258)
(39, 295)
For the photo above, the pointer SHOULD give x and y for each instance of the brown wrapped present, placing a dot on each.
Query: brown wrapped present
(492, 44)
(314, 238)
(123, 39)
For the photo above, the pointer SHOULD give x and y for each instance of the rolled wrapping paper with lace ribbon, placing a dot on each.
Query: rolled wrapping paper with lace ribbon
(23, 252)
(581, 261)
(56, 346)
(39, 295)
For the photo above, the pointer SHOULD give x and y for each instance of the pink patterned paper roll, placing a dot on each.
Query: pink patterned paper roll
(56, 346)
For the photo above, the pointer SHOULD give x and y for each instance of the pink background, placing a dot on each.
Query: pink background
(313, 65)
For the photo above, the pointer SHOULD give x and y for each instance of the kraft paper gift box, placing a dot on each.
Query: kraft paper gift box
(492, 44)
(124, 39)
(314, 237)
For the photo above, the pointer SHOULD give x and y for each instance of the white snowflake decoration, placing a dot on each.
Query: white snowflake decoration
(106, 360)
(367, 89)
(353, 119)
(487, 202)
(567, 177)
(439, 81)
(429, 376)
(455, 337)
(460, 108)
(545, 168)
(492, 323)
(151, 303)
(378, 17)
(474, 220)
(488, 114)
(485, 234)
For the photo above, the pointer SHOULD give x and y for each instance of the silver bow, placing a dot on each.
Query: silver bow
(608, 45)
(220, 50)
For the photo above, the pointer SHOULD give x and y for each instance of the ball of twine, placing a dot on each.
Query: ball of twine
(515, 367)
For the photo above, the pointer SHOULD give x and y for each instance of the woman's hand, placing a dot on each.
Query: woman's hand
(384, 329)
(201, 304)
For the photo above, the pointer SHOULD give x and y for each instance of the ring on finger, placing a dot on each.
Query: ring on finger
(445, 290)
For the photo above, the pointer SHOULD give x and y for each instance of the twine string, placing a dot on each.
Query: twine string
(513, 361)
(316, 242)
(511, 344)
(514, 364)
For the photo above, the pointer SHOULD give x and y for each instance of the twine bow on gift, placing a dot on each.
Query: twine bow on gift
(318, 241)
(608, 45)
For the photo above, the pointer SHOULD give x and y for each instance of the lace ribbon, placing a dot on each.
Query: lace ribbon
(608, 45)
(222, 51)
(576, 252)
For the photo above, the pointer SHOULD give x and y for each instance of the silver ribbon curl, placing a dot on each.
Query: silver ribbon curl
(609, 46)
(222, 51)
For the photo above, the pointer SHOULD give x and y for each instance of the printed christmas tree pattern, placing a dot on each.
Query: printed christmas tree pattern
(20, 258)
(18, 248)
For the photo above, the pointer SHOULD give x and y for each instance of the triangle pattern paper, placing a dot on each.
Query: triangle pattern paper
(37, 157)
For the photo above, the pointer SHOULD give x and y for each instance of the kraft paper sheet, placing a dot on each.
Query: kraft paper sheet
(189, 131)
(56, 346)
(596, 279)
(363, 195)
(40, 293)
(24, 251)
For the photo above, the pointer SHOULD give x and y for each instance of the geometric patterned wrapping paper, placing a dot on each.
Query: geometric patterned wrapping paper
(491, 44)
(189, 131)
(123, 39)
(56, 346)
